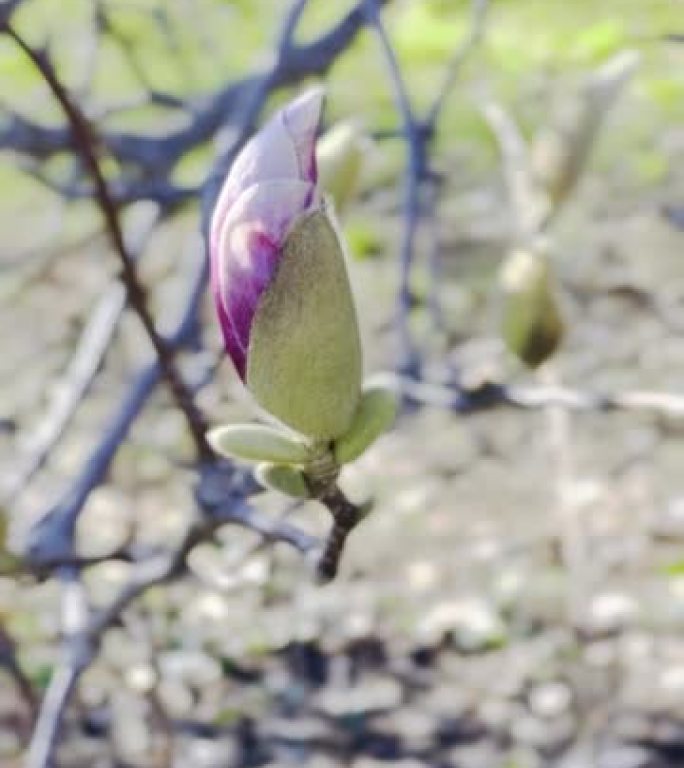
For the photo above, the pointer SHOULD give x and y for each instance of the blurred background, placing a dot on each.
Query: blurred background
(516, 597)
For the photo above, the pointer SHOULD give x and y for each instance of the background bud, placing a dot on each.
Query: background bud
(531, 323)
(339, 156)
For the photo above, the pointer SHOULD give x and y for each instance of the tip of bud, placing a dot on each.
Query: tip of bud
(302, 118)
(306, 108)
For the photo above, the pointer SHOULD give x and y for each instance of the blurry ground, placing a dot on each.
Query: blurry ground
(457, 634)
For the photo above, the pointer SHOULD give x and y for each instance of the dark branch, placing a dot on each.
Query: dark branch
(154, 157)
(86, 144)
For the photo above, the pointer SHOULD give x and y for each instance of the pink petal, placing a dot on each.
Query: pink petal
(249, 246)
(284, 148)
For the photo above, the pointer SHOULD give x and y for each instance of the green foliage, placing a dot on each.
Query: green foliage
(257, 442)
(376, 411)
(599, 41)
(674, 569)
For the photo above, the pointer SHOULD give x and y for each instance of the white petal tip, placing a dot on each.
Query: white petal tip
(303, 114)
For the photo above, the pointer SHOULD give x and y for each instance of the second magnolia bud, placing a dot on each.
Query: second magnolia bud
(339, 155)
(532, 326)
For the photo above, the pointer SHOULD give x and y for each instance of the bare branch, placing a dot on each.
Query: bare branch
(78, 652)
(86, 143)
(154, 157)
(69, 392)
(82, 642)
(479, 10)
(490, 395)
(8, 660)
(416, 166)
(346, 516)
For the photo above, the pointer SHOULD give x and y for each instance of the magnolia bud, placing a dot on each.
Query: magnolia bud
(339, 156)
(375, 414)
(280, 283)
(531, 324)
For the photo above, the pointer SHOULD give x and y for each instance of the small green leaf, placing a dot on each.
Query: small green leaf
(258, 442)
(376, 411)
(281, 477)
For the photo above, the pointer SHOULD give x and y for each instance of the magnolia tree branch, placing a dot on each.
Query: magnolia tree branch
(415, 170)
(419, 179)
(220, 502)
(490, 395)
(221, 490)
(8, 662)
(69, 391)
(85, 142)
(475, 35)
(148, 161)
(346, 516)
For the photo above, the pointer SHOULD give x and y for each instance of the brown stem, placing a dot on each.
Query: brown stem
(86, 143)
(346, 516)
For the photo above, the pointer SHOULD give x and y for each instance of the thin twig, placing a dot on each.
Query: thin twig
(86, 142)
(70, 390)
(415, 171)
(148, 160)
(491, 395)
(569, 529)
(528, 207)
(346, 516)
(50, 541)
(77, 653)
(8, 661)
(475, 34)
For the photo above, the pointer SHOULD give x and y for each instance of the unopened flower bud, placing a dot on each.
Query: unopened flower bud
(532, 326)
(280, 282)
(339, 157)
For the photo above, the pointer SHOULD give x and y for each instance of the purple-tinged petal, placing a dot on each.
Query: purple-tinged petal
(233, 344)
(284, 148)
(302, 118)
(249, 246)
